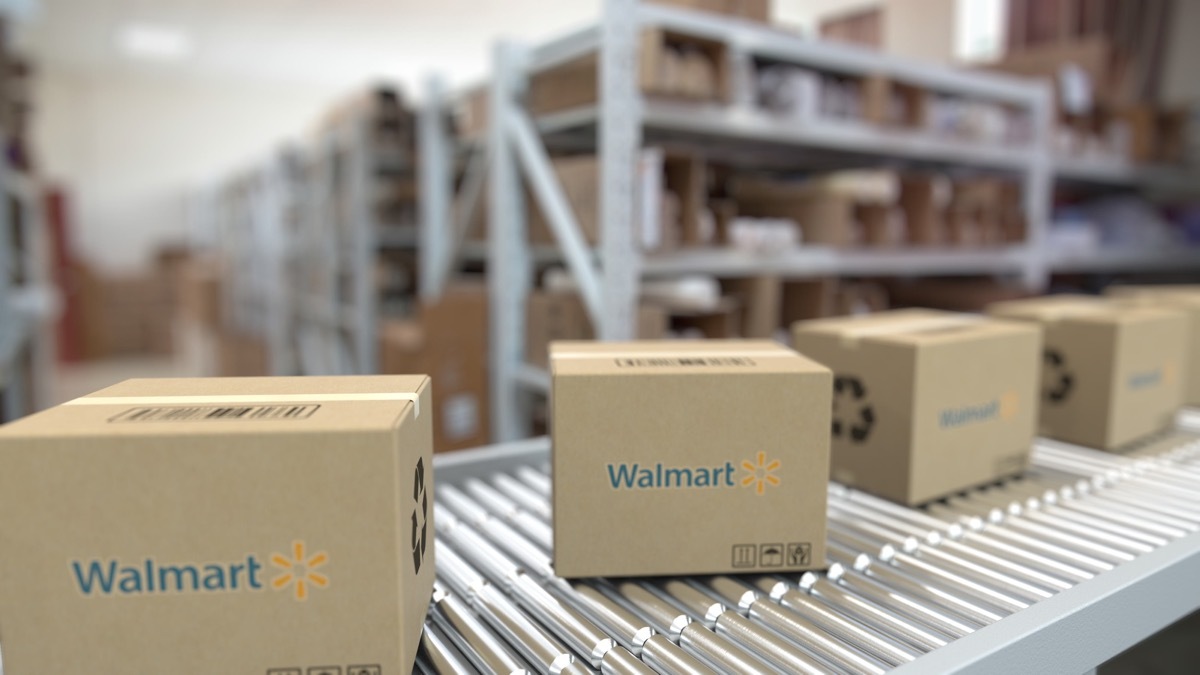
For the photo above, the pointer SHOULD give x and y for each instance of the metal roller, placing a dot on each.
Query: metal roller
(947, 596)
(617, 660)
(538, 647)
(564, 621)
(667, 658)
(919, 608)
(869, 613)
(715, 651)
(535, 479)
(437, 656)
(770, 645)
(523, 495)
(476, 642)
(864, 639)
(802, 631)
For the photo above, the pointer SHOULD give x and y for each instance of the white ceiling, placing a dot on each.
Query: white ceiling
(321, 42)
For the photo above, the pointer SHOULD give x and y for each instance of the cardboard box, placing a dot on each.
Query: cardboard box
(718, 323)
(448, 340)
(551, 316)
(927, 403)
(241, 355)
(681, 457)
(761, 298)
(668, 67)
(199, 291)
(219, 526)
(1182, 298)
(889, 103)
(752, 10)
(923, 200)
(1112, 374)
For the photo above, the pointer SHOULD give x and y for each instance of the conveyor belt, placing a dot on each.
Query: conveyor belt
(903, 582)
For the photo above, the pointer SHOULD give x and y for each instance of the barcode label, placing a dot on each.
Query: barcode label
(685, 361)
(199, 413)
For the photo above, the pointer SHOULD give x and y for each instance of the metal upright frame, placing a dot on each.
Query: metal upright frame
(28, 308)
(622, 117)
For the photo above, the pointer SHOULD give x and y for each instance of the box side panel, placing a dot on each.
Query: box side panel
(280, 549)
(976, 406)
(872, 411)
(689, 473)
(1077, 382)
(1148, 377)
(413, 467)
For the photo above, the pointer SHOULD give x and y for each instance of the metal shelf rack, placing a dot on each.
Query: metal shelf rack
(740, 134)
(27, 298)
(304, 238)
(913, 590)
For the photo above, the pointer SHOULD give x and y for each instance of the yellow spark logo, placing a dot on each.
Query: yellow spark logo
(1010, 405)
(298, 571)
(1169, 372)
(761, 474)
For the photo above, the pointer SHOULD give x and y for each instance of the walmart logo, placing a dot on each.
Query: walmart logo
(633, 476)
(1004, 408)
(1152, 378)
(114, 577)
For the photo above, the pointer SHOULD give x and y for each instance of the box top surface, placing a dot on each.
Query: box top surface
(911, 327)
(577, 357)
(1077, 309)
(229, 405)
(1175, 294)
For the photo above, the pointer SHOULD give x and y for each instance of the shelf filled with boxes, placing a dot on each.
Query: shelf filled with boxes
(749, 145)
(740, 135)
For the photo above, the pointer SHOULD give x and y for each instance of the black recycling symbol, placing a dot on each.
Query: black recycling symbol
(1057, 381)
(420, 515)
(852, 412)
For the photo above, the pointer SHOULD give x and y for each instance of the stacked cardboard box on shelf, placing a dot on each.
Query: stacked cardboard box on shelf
(886, 208)
(561, 315)
(124, 315)
(672, 66)
(448, 341)
(1105, 68)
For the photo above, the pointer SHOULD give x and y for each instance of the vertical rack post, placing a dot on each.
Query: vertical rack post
(620, 122)
(1038, 190)
(508, 256)
(363, 246)
(436, 230)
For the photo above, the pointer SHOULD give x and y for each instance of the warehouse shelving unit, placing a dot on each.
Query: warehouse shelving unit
(741, 135)
(1073, 629)
(253, 233)
(305, 239)
(27, 301)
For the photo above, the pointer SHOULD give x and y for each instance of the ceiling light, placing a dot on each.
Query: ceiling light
(154, 41)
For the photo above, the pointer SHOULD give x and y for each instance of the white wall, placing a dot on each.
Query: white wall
(129, 148)
(920, 29)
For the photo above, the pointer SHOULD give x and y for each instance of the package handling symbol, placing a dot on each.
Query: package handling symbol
(364, 670)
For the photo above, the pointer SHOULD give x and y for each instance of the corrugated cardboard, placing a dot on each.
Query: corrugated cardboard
(754, 10)
(927, 403)
(241, 355)
(688, 458)
(1111, 374)
(219, 526)
(551, 316)
(1183, 298)
(448, 341)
